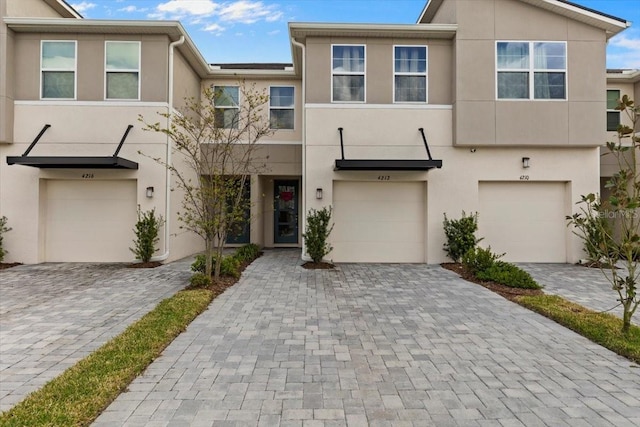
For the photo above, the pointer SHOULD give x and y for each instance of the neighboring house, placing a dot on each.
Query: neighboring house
(494, 106)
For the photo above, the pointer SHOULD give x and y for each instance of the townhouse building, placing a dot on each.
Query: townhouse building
(489, 106)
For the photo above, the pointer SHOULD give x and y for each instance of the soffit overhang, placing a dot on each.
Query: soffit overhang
(624, 76)
(610, 24)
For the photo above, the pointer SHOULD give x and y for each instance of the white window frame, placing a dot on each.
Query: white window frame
(532, 70)
(123, 70)
(293, 107)
(74, 70)
(399, 73)
(226, 107)
(610, 110)
(350, 73)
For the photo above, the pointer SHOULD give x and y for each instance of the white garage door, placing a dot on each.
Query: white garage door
(378, 221)
(526, 220)
(90, 221)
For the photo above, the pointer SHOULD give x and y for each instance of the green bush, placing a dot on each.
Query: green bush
(318, 231)
(230, 265)
(146, 231)
(247, 253)
(3, 229)
(478, 260)
(461, 235)
(509, 275)
(200, 280)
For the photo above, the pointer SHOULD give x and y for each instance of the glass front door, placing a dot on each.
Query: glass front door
(286, 211)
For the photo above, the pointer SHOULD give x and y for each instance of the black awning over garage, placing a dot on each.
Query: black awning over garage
(386, 164)
(73, 162)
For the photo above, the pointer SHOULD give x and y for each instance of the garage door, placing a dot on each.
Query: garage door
(378, 221)
(525, 220)
(90, 221)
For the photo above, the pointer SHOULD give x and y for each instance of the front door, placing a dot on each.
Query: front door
(286, 211)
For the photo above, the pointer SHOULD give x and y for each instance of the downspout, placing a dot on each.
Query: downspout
(304, 255)
(167, 210)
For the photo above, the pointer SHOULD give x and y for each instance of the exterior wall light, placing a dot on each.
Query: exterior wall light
(149, 192)
(318, 193)
(525, 162)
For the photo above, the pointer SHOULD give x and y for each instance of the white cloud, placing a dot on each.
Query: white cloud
(82, 7)
(214, 28)
(179, 9)
(249, 12)
(273, 33)
(624, 50)
(216, 16)
(132, 9)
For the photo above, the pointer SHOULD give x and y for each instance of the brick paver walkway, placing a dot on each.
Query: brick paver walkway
(585, 286)
(52, 315)
(378, 345)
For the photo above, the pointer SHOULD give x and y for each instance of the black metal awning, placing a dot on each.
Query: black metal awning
(73, 162)
(387, 164)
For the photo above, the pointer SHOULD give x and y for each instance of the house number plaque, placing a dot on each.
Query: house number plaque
(384, 178)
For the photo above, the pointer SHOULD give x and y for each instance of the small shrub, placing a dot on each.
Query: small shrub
(248, 252)
(200, 280)
(230, 265)
(199, 264)
(318, 231)
(3, 229)
(478, 260)
(146, 230)
(461, 235)
(509, 275)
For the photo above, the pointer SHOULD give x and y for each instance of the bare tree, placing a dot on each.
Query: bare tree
(216, 139)
(618, 240)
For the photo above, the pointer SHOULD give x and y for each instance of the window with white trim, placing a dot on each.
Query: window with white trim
(226, 101)
(281, 107)
(531, 70)
(410, 73)
(122, 67)
(613, 115)
(347, 73)
(58, 69)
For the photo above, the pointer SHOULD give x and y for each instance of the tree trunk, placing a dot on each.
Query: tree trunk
(207, 253)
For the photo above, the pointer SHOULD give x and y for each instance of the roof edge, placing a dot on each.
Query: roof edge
(64, 8)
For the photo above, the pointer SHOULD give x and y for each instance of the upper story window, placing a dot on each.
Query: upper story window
(58, 69)
(281, 102)
(410, 73)
(347, 73)
(613, 116)
(226, 100)
(531, 70)
(122, 65)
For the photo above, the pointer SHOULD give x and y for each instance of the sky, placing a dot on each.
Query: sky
(228, 31)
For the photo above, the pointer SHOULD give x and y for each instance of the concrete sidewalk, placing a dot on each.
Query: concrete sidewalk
(52, 315)
(378, 345)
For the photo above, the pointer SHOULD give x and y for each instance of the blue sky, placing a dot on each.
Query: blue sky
(256, 30)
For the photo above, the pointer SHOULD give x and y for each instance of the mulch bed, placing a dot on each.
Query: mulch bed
(225, 282)
(310, 265)
(5, 265)
(150, 264)
(505, 291)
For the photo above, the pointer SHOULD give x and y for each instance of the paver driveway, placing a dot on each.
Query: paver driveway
(375, 345)
(52, 315)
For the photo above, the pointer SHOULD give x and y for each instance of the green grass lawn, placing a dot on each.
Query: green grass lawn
(77, 396)
(602, 328)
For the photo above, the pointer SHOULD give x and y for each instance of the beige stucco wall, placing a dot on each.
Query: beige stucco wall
(30, 9)
(81, 130)
(379, 68)
(482, 120)
(452, 188)
(6, 80)
(262, 87)
(90, 74)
